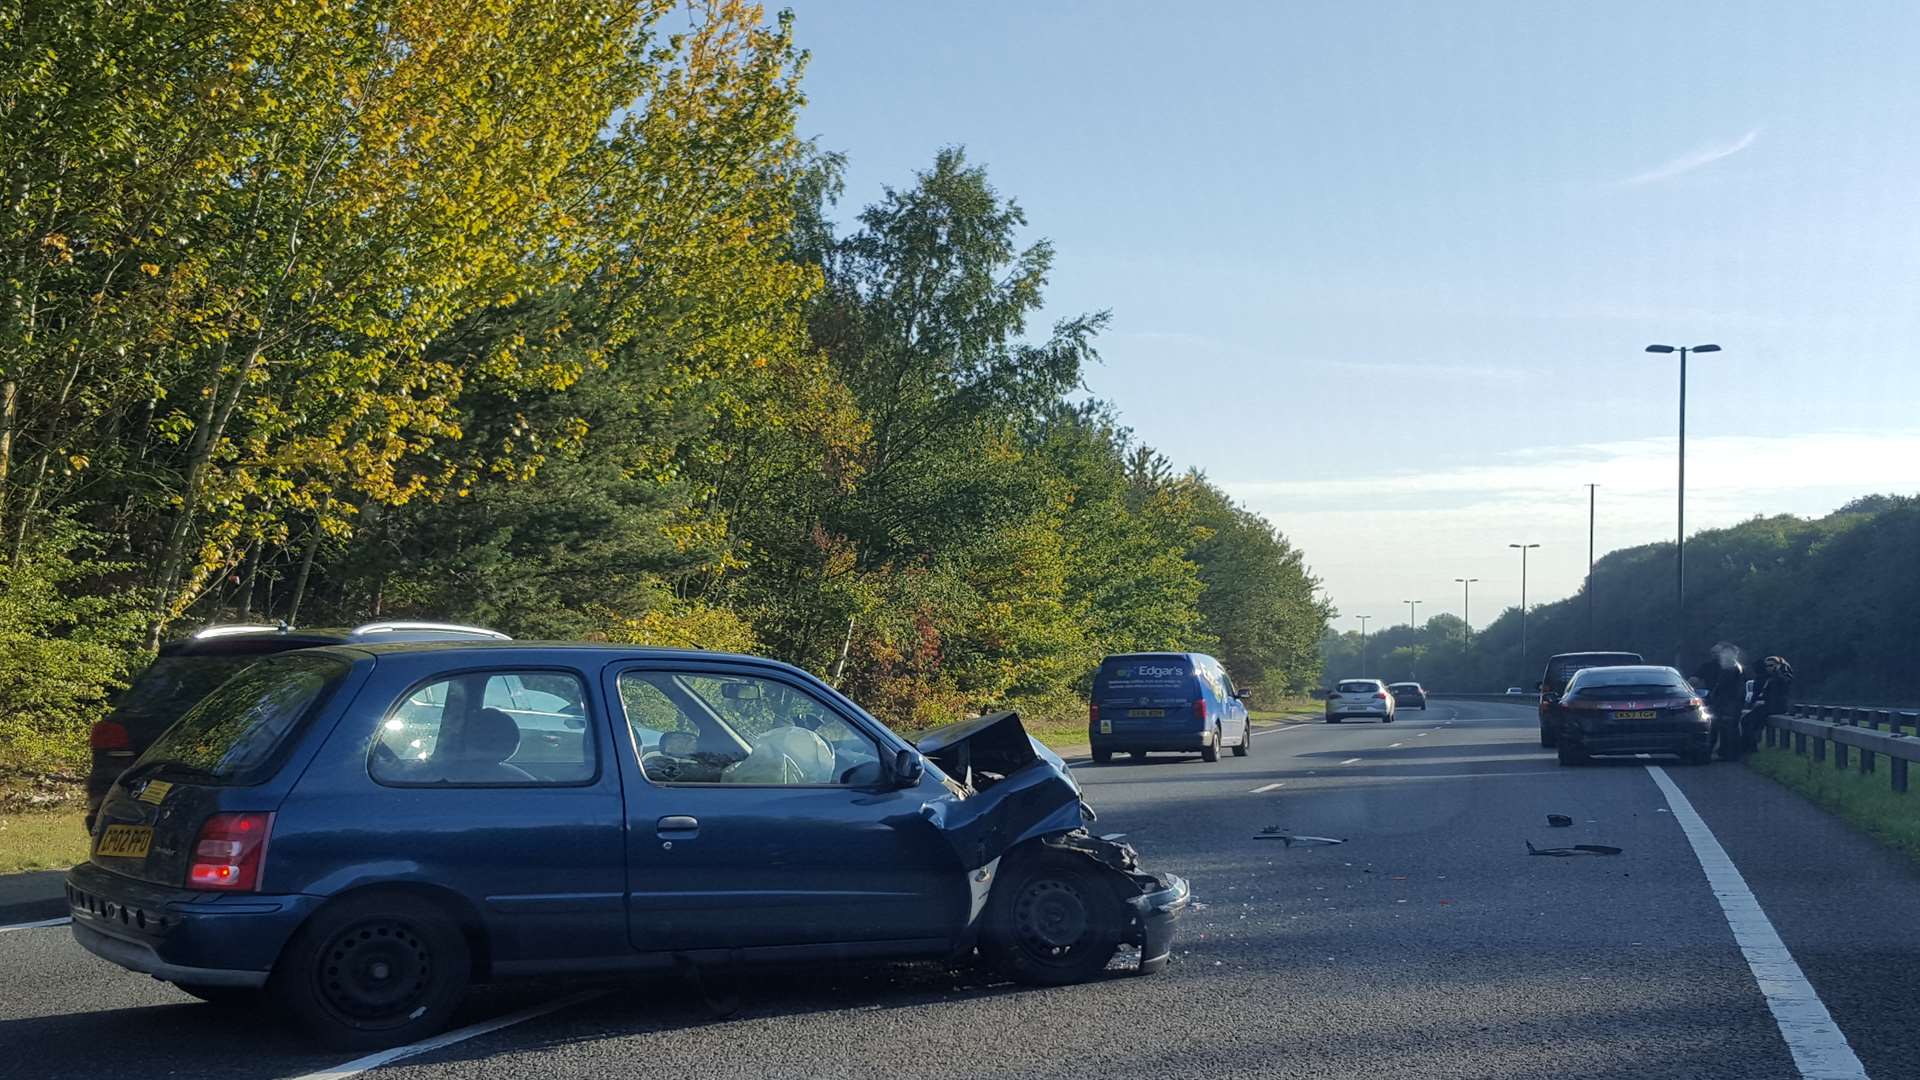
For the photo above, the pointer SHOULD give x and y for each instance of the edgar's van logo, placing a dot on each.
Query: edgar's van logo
(1152, 671)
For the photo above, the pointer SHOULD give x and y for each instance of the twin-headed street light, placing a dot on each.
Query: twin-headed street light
(1680, 517)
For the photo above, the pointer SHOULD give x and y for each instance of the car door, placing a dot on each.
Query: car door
(760, 816)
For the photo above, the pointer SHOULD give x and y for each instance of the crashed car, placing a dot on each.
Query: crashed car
(357, 833)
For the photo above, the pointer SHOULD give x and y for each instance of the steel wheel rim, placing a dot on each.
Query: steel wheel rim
(1052, 919)
(376, 972)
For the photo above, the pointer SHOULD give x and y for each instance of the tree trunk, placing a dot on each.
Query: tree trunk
(9, 390)
(306, 568)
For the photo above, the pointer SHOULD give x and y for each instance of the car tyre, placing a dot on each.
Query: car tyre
(1547, 739)
(226, 997)
(1211, 751)
(1139, 756)
(1246, 742)
(373, 971)
(1333, 719)
(1571, 754)
(1054, 920)
(1102, 757)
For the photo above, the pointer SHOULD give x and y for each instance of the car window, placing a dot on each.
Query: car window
(737, 729)
(1358, 687)
(234, 731)
(487, 728)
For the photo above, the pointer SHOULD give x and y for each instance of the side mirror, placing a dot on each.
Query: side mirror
(907, 769)
(740, 691)
(1540, 686)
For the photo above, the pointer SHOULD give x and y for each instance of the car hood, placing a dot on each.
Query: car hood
(1008, 787)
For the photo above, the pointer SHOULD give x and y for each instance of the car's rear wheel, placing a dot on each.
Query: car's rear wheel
(1246, 742)
(1139, 755)
(1054, 921)
(373, 971)
(1699, 755)
(1333, 719)
(1547, 739)
(1101, 757)
(1211, 751)
(1571, 754)
(227, 997)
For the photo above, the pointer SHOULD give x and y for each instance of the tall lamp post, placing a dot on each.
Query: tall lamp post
(1466, 607)
(1413, 624)
(1524, 548)
(1591, 644)
(1680, 500)
(1363, 642)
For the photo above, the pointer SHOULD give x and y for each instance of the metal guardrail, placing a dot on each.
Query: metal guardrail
(1812, 726)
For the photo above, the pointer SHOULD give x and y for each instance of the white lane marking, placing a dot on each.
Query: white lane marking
(1819, 1049)
(1351, 761)
(1392, 745)
(1267, 787)
(448, 1038)
(61, 921)
(1424, 734)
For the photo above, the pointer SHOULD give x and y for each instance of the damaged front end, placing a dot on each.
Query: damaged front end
(1013, 798)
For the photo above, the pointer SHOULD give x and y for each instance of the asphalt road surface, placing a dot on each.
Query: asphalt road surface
(1429, 943)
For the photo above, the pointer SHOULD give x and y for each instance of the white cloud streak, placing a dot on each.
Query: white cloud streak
(1690, 161)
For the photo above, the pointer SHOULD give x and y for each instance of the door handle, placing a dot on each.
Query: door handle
(677, 826)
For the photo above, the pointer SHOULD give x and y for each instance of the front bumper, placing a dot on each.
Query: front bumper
(181, 935)
(1157, 911)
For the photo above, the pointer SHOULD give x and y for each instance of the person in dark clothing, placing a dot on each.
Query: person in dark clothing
(1772, 692)
(1724, 682)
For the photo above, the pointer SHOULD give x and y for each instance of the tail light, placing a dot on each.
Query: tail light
(1380, 695)
(229, 852)
(1200, 709)
(1093, 714)
(107, 735)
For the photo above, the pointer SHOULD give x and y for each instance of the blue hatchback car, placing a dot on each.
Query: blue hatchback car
(359, 833)
(1166, 701)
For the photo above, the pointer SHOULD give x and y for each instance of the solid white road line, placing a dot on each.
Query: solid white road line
(61, 921)
(1819, 1049)
(1268, 787)
(448, 1038)
(1351, 761)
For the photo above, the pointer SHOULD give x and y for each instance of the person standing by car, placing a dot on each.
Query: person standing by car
(1724, 681)
(1770, 698)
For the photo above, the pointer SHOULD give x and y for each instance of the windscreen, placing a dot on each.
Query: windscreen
(237, 728)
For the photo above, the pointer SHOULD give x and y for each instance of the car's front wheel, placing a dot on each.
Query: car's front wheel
(373, 971)
(1246, 741)
(1054, 921)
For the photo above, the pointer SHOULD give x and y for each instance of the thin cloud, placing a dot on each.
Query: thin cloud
(1691, 160)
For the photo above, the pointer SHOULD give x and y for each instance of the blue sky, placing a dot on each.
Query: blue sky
(1386, 271)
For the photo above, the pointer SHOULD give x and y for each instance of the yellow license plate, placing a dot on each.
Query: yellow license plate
(1146, 712)
(1636, 714)
(125, 841)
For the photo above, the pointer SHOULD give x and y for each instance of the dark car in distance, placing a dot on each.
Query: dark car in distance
(1553, 683)
(1638, 709)
(1182, 702)
(187, 670)
(1408, 695)
(358, 832)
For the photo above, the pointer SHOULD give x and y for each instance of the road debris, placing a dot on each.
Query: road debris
(1577, 849)
(1559, 821)
(1274, 832)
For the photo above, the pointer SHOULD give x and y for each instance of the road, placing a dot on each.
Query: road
(1428, 944)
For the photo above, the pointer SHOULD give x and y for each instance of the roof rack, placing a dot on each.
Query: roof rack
(389, 626)
(227, 629)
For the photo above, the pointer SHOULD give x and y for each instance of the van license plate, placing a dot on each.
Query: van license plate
(125, 841)
(1146, 712)
(1636, 714)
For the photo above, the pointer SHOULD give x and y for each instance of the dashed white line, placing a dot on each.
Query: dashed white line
(1266, 787)
(1393, 745)
(61, 921)
(1819, 1049)
(1424, 734)
(458, 1035)
(1351, 761)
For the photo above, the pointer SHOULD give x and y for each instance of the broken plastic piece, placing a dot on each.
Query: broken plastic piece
(1559, 821)
(1273, 832)
(1577, 849)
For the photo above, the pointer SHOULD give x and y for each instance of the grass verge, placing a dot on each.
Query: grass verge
(1868, 802)
(37, 841)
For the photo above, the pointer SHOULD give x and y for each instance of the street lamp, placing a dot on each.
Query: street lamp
(1524, 548)
(1413, 624)
(1466, 607)
(1680, 499)
(1591, 644)
(1363, 642)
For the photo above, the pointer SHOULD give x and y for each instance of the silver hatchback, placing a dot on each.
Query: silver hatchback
(1360, 697)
